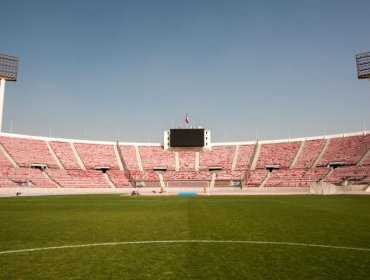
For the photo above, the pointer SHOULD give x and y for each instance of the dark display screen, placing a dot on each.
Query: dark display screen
(187, 137)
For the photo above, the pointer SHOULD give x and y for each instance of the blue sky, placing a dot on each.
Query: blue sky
(131, 69)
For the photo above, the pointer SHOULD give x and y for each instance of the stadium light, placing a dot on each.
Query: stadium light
(8, 72)
(363, 65)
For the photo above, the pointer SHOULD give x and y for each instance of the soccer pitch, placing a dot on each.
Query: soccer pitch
(233, 237)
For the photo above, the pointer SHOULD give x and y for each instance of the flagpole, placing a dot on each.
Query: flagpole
(187, 120)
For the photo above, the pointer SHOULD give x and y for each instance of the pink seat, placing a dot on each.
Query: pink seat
(278, 154)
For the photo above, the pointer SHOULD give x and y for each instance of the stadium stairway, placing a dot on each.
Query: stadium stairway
(65, 155)
(197, 159)
(8, 156)
(46, 175)
(245, 155)
(54, 156)
(256, 156)
(297, 155)
(108, 180)
(77, 156)
(328, 175)
(177, 161)
(138, 158)
(120, 161)
(364, 159)
(264, 182)
(323, 151)
(235, 159)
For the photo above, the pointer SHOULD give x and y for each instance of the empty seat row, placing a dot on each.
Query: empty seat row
(281, 154)
(346, 149)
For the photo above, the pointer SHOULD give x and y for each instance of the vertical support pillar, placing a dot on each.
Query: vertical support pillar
(2, 93)
(213, 180)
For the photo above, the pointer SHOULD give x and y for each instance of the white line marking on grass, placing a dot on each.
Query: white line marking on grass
(182, 241)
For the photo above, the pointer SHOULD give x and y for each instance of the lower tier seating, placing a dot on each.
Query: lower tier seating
(351, 174)
(7, 183)
(24, 177)
(11, 177)
(119, 178)
(145, 176)
(78, 178)
(255, 177)
(295, 177)
(187, 176)
(230, 175)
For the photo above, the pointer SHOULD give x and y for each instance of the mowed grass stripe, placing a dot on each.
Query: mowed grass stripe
(182, 241)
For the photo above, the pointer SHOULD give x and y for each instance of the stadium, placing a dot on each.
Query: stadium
(163, 231)
(186, 205)
(324, 164)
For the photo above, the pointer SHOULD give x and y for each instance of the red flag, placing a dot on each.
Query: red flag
(187, 119)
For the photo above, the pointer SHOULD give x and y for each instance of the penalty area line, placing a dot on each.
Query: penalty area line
(182, 241)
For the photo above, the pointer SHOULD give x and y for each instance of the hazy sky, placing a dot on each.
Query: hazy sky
(131, 69)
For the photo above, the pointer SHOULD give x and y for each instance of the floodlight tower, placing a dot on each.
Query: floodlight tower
(363, 65)
(8, 72)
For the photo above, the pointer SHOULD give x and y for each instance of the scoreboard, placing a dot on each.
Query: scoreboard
(187, 138)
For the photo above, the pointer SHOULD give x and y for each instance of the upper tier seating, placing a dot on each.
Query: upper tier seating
(346, 149)
(119, 178)
(244, 156)
(65, 154)
(4, 162)
(278, 154)
(27, 177)
(295, 177)
(351, 173)
(310, 152)
(187, 160)
(219, 156)
(78, 178)
(28, 151)
(129, 156)
(97, 155)
(155, 156)
(367, 161)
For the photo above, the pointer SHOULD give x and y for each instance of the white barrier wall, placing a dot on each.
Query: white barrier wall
(323, 188)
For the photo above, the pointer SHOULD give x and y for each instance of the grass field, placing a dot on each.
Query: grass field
(38, 222)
